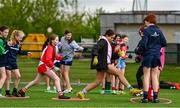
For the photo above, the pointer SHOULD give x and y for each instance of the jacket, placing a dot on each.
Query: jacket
(152, 41)
(48, 56)
(100, 50)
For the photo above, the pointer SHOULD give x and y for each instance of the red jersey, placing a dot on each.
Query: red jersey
(120, 50)
(47, 59)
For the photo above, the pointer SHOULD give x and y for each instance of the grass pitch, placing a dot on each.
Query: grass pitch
(80, 70)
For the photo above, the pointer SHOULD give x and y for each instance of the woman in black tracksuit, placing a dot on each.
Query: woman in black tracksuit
(101, 61)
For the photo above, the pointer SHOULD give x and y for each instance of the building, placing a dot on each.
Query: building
(129, 22)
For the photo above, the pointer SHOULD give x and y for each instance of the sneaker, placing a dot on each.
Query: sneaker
(21, 93)
(15, 93)
(8, 95)
(155, 100)
(80, 95)
(102, 92)
(63, 97)
(144, 100)
(54, 88)
(67, 90)
(48, 88)
(135, 91)
(120, 92)
(113, 91)
(139, 94)
(1, 95)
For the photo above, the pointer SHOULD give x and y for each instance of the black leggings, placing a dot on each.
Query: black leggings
(139, 74)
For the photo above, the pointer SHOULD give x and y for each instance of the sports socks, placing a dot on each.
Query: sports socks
(145, 94)
(84, 91)
(113, 88)
(150, 93)
(7, 91)
(129, 87)
(155, 95)
(14, 89)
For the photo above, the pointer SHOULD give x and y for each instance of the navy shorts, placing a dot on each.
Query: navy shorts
(151, 61)
(2, 64)
(11, 66)
(3, 60)
(66, 62)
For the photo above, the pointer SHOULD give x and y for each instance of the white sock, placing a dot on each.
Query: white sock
(129, 87)
(84, 91)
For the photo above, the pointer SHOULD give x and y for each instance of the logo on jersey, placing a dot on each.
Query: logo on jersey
(155, 34)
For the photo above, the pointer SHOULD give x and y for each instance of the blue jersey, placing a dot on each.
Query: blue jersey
(14, 50)
(152, 41)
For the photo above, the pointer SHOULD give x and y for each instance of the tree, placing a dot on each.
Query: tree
(45, 14)
(82, 24)
(35, 16)
(15, 13)
(93, 22)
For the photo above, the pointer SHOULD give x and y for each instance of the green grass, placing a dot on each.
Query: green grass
(80, 70)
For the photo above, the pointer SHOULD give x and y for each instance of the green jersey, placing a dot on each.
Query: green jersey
(2, 46)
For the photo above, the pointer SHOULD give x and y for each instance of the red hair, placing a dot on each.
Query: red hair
(151, 18)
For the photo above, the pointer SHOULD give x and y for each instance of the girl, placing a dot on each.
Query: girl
(109, 80)
(4, 30)
(67, 48)
(118, 40)
(46, 68)
(101, 61)
(138, 59)
(152, 41)
(162, 59)
(121, 52)
(48, 85)
(14, 48)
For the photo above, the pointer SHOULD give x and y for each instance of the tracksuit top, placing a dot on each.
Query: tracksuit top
(67, 49)
(101, 50)
(48, 56)
(13, 51)
(152, 41)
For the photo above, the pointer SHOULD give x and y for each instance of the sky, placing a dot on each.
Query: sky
(126, 5)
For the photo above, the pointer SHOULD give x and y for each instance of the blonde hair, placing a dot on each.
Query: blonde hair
(16, 33)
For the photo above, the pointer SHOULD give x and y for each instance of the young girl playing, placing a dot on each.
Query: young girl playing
(101, 61)
(152, 41)
(138, 59)
(14, 48)
(109, 80)
(67, 48)
(48, 84)
(46, 68)
(162, 59)
(121, 49)
(4, 30)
